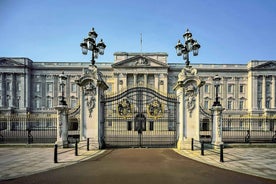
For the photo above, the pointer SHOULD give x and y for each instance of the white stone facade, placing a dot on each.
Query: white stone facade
(246, 89)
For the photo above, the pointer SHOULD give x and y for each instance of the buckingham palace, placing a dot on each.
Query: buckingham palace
(28, 86)
(245, 90)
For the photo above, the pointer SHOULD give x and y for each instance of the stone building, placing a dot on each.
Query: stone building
(140, 98)
(33, 87)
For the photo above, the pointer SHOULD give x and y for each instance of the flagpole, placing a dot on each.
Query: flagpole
(141, 42)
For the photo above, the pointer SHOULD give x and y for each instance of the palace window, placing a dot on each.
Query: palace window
(49, 87)
(37, 88)
(205, 125)
(73, 87)
(241, 104)
(241, 88)
(206, 88)
(229, 104)
(8, 86)
(267, 103)
(37, 103)
(73, 102)
(206, 104)
(49, 103)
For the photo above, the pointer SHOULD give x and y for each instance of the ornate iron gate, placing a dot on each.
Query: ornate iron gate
(140, 117)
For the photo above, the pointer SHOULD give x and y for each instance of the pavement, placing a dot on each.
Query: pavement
(21, 161)
(260, 162)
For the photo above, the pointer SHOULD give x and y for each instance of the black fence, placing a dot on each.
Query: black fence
(28, 129)
(242, 130)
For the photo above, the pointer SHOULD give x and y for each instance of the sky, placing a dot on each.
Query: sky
(232, 32)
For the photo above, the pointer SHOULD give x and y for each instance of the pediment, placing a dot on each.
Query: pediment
(140, 61)
(268, 65)
(9, 62)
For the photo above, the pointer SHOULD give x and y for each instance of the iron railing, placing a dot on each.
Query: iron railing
(242, 129)
(28, 128)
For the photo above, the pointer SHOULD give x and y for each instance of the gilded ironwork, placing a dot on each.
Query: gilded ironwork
(124, 108)
(143, 126)
(155, 109)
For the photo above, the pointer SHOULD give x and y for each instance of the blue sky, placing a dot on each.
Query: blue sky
(235, 31)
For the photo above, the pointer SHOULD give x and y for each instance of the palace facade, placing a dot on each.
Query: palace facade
(33, 87)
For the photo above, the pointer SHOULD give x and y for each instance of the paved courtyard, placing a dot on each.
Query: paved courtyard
(156, 165)
(254, 161)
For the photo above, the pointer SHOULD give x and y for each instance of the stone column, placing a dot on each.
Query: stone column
(1, 91)
(13, 91)
(165, 85)
(156, 81)
(217, 125)
(273, 94)
(116, 82)
(62, 125)
(236, 91)
(224, 91)
(134, 80)
(263, 93)
(145, 80)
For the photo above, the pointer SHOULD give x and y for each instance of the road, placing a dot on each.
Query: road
(139, 166)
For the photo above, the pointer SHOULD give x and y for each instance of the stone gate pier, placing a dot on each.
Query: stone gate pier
(92, 87)
(187, 90)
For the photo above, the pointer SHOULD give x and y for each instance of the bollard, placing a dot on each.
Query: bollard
(56, 153)
(221, 153)
(202, 148)
(192, 144)
(87, 144)
(76, 148)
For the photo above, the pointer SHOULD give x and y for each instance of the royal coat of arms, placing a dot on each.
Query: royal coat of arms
(124, 108)
(155, 109)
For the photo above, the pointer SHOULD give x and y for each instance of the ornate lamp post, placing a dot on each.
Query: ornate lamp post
(62, 81)
(189, 45)
(216, 80)
(217, 116)
(89, 43)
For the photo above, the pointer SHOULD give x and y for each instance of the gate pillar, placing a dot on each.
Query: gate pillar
(62, 125)
(217, 124)
(187, 89)
(91, 109)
